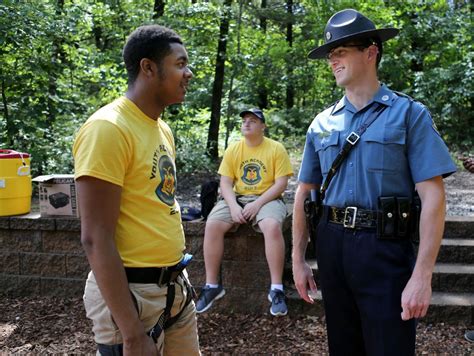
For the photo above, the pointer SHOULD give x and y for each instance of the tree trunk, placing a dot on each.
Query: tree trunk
(290, 92)
(158, 9)
(213, 135)
(57, 53)
(236, 67)
(262, 90)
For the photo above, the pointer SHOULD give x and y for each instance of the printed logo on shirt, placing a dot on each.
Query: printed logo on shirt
(167, 187)
(161, 149)
(251, 174)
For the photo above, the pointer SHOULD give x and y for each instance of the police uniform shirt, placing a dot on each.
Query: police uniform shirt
(400, 148)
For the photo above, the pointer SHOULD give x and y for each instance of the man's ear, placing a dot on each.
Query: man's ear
(147, 67)
(373, 50)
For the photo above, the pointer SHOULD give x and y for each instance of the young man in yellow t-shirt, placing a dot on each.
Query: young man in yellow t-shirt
(130, 220)
(254, 174)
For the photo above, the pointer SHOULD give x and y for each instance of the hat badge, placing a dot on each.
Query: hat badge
(328, 36)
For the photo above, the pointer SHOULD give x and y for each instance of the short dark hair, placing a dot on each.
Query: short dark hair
(149, 41)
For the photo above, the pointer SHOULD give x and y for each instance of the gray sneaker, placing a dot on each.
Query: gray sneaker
(207, 297)
(278, 300)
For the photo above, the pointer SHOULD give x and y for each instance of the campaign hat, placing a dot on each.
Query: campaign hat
(348, 25)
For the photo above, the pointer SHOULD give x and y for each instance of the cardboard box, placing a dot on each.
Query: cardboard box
(57, 195)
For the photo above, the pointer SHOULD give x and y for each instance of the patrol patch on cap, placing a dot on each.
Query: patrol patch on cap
(328, 35)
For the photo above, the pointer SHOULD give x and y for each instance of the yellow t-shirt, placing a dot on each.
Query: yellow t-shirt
(123, 146)
(255, 169)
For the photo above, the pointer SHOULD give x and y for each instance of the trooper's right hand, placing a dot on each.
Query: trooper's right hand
(304, 281)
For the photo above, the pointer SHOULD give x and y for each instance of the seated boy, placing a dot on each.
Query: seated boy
(254, 174)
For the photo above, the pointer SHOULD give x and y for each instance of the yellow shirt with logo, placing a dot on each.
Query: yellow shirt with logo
(121, 145)
(255, 169)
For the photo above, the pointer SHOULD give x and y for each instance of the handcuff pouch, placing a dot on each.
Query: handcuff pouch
(386, 224)
(403, 216)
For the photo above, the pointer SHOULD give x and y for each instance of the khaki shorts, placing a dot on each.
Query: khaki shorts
(181, 337)
(275, 209)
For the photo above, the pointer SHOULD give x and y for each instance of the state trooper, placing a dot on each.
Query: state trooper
(387, 148)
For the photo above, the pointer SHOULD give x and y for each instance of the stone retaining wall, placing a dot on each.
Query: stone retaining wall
(41, 256)
(44, 256)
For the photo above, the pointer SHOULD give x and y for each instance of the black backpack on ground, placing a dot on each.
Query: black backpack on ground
(209, 191)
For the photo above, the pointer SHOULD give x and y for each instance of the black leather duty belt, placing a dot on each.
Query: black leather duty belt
(155, 275)
(353, 217)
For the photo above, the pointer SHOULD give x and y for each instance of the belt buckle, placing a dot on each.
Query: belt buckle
(350, 221)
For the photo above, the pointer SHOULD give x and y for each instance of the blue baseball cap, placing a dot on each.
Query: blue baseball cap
(255, 111)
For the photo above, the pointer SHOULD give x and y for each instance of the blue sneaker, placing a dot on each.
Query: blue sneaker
(469, 335)
(207, 297)
(278, 300)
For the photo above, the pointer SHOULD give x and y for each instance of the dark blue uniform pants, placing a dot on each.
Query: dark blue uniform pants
(362, 279)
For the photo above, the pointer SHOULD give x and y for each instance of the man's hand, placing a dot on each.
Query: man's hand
(236, 213)
(416, 298)
(303, 278)
(141, 345)
(468, 163)
(251, 210)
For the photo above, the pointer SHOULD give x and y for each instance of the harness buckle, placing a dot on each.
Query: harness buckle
(352, 138)
(350, 217)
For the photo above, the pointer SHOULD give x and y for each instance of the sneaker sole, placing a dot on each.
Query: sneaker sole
(278, 314)
(275, 314)
(219, 296)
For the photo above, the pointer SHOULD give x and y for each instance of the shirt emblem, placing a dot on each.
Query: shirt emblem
(251, 175)
(167, 187)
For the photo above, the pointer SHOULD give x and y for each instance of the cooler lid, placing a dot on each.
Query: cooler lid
(9, 154)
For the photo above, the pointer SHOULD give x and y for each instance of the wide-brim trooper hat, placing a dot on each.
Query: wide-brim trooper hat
(348, 25)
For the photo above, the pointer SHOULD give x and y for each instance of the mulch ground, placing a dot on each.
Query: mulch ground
(51, 325)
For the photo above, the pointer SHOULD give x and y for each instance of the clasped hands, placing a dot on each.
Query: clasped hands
(246, 214)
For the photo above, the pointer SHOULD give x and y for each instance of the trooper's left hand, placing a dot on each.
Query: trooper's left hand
(416, 298)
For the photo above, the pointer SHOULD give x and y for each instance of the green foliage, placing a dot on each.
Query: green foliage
(189, 127)
(59, 63)
(437, 65)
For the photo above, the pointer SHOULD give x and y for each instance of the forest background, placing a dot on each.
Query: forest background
(60, 60)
